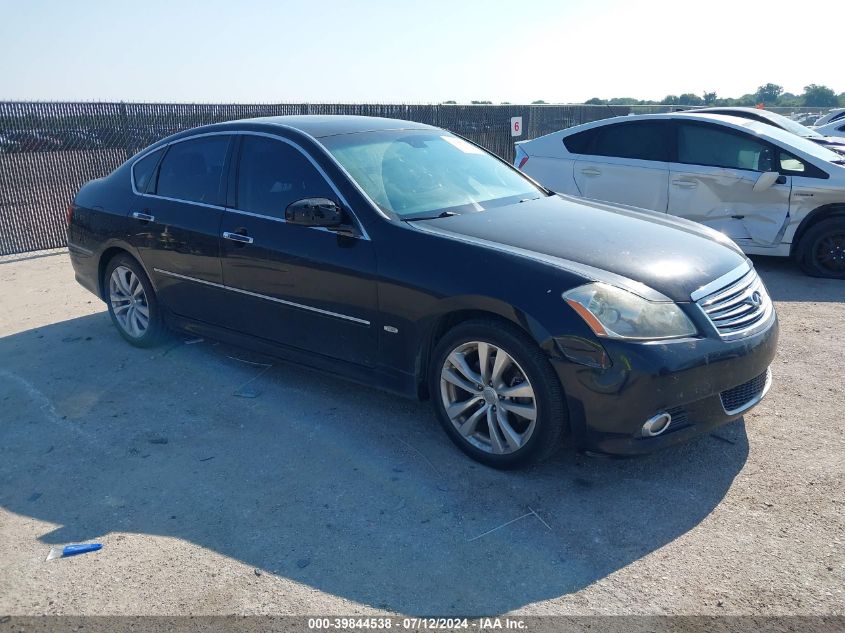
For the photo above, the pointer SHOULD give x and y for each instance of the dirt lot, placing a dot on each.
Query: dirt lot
(317, 496)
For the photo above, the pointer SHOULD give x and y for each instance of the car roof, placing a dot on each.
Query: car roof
(322, 125)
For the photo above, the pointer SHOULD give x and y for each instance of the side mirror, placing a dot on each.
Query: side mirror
(766, 180)
(314, 212)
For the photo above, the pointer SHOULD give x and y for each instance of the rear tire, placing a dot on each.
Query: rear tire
(132, 302)
(821, 251)
(507, 415)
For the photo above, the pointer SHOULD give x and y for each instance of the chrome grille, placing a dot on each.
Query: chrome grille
(748, 393)
(740, 308)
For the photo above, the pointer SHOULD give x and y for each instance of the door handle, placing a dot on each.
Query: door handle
(144, 217)
(237, 237)
(591, 171)
(685, 184)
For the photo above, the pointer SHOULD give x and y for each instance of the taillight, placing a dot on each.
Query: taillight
(69, 213)
(523, 161)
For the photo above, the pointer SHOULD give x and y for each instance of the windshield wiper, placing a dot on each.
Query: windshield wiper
(442, 214)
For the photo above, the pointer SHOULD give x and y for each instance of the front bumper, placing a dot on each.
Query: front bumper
(686, 378)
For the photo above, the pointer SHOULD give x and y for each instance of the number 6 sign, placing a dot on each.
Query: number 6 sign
(516, 126)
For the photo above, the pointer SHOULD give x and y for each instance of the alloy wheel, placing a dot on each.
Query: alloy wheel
(488, 397)
(129, 302)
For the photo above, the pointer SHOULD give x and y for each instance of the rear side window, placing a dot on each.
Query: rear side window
(192, 170)
(272, 174)
(142, 171)
(640, 140)
(715, 147)
(580, 143)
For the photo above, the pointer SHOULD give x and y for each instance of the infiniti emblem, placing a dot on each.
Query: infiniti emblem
(756, 299)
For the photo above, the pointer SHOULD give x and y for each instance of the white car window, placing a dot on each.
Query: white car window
(715, 147)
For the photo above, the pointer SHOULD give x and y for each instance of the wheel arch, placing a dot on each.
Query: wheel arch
(108, 254)
(819, 214)
(459, 312)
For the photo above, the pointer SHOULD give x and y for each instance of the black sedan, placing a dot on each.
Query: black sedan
(403, 256)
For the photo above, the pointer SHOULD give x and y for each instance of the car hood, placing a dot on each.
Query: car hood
(639, 250)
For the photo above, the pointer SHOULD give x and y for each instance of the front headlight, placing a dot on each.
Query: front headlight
(616, 313)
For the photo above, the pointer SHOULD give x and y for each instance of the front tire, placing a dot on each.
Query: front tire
(496, 395)
(821, 252)
(132, 303)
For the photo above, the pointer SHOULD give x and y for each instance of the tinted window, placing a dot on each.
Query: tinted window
(272, 174)
(580, 143)
(142, 171)
(192, 170)
(643, 140)
(710, 145)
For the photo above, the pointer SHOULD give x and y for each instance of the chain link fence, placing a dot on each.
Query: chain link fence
(48, 150)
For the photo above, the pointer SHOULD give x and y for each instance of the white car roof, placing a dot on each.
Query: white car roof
(826, 118)
(551, 144)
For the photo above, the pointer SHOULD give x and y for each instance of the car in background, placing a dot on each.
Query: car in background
(771, 192)
(834, 128)
(778, 120)
(33, 141)
(405, 257)
(837, 114)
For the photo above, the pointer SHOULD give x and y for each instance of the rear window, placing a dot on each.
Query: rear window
(579, 143)
(142, 171)
(192, 170)
(640, 140)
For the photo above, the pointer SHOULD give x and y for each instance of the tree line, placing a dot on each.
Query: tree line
(814, 96)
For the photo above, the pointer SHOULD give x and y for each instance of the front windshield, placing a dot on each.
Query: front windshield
(421, 173)
(787, 139)
(791, 126)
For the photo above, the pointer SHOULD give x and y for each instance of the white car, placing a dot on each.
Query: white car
(837, 114)
(778, 120)
(771, 192)
(834, 128)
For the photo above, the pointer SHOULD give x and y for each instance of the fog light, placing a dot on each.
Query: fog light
(656, 425)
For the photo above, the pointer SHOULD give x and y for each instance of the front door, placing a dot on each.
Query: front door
(308, 288)
(715, 182)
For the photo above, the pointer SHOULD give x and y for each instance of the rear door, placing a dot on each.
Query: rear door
(713, 180)
(626, 163)
(176, 222)
(313, 289)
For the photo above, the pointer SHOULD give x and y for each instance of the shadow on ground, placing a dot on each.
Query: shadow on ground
(349, 490)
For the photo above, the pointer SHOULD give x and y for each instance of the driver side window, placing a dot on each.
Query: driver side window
(715, 147)
(272, 174)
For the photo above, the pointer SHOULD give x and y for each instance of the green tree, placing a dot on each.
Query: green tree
(481, 102)
(594, 101)
(768, 93)
(450, 102)
(709, 98)
(670, 100)
(819, 96)
(690, 99)
(538, 102)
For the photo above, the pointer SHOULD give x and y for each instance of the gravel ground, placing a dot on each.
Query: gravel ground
(317, 496)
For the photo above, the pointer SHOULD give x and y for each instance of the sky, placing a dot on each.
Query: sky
(413, 52)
